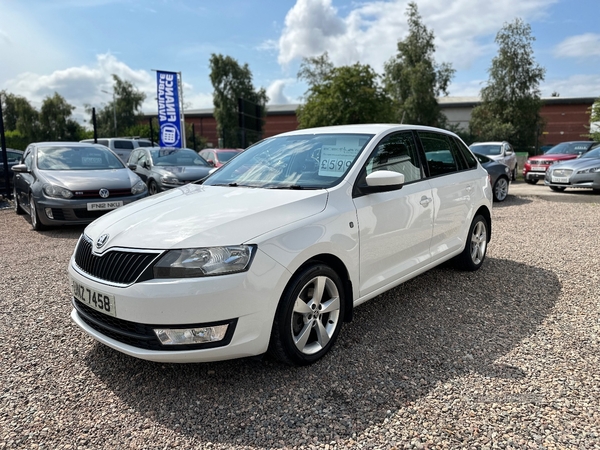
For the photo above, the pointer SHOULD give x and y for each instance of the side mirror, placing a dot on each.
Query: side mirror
(146, 165)
(20, 168)
(211, 162)
(383, 181)
(132, 166)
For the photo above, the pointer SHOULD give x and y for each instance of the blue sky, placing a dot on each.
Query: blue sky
(73, 46)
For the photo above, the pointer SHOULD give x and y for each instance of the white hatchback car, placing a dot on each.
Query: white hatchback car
(272, 252)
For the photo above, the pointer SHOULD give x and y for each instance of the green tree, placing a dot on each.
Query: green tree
(345, 95)
(511, 99)
(20, 117)
(231, 81)
(121, 116)
(413, 79)
(56, 123)
(315, 70)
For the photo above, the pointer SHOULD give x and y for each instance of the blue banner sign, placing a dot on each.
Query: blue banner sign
(169, 118)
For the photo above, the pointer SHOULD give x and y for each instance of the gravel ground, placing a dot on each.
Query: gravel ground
(507, 357)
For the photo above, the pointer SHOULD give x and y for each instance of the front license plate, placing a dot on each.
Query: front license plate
(94, 299)
(100, 206)
(538, 168)
(560, 179)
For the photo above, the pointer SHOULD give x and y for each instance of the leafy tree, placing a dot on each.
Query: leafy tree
(413, 79)
(20, 116)
(315, 70)
(230, 82)
(125, 107)
(511, 100)
(345, 95)
(56, 123)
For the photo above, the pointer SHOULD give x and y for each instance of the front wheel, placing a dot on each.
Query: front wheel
(473, 255)
(309, 316)
(513, 175)
(33, 214)
(500, 189)
(152, 187)
(18, 209)
(531, 181)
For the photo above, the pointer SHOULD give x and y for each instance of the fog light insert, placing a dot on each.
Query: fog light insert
(187, 336)
(49, 213)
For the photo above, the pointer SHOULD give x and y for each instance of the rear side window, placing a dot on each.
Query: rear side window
(466, 153)
(442, 154)
(127, 145)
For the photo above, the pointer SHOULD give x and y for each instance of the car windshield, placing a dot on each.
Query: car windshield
(487, 149)
(226, 155)
(177, 157)
(76, 158)
(593, 153)
(310, 161)
(569, 148)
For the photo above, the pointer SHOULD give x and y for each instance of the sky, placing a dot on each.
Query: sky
(74, 46)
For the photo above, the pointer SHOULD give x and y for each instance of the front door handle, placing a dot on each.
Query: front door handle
(425, 201)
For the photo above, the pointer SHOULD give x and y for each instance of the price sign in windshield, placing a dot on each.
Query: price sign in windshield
(335, 159)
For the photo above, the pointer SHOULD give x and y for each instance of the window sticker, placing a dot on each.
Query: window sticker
(335, 159)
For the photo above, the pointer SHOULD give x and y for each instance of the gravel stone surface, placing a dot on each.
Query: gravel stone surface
(507, 357)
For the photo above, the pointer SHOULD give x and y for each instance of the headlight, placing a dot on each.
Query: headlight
(592, 170)
(170, 180)
(529, 161)
(201, 262)
(138, 188)
(52, 190)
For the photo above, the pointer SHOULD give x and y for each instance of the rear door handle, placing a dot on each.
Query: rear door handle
(425, 201)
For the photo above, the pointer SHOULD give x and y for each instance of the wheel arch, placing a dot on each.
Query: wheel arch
(340, 268)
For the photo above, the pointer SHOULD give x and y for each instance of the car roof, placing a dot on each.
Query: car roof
(488, 143)
(62, 144)
(372, 128)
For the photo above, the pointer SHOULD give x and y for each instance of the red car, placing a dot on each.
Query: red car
(216, 157)
(536, 166)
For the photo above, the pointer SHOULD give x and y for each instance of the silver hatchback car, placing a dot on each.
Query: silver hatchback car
(71, 183)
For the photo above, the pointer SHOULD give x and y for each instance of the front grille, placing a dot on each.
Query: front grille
(562, 172)
(115, 266)
(58, 214)
(96, 194)
(85, 214)
(142, 335)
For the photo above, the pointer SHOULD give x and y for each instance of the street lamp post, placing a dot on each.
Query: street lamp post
(114, 108)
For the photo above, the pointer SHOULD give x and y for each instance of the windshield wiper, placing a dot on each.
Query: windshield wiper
(296, 187)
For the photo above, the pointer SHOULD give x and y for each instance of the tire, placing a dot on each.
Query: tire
(500, 189)
(34, 216)
(18, 209)
(531, 181)
(152, 187)
(557, 188)
(308, 319)
(513, 174)
(473, 255)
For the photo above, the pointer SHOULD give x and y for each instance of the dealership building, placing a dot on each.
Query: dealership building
(566, 118)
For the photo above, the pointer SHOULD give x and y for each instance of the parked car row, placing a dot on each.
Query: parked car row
(535, 167)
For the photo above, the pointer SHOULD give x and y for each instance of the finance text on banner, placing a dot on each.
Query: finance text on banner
(169, 118)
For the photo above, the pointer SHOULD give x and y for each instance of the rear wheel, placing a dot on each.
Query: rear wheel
(557, 188)
(531, 181)
(309, 316)
(473, 255)
(500, 189)
(513, 174)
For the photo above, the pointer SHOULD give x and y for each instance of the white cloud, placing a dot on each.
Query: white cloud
(581, 46)
(276, 94)
(573, 86)
(370, 32)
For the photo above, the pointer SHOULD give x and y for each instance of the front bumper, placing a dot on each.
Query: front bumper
(247, 301)
(74, 211)
(582, 181)
(530, 175)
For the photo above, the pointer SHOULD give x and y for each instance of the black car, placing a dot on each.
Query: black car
(499, 176)
(167, 168)
(14, 157)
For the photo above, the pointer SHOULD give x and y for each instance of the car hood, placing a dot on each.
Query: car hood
(577, 164)
(184, 173)
(194, 216)
(91, 179)
(557, 157)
